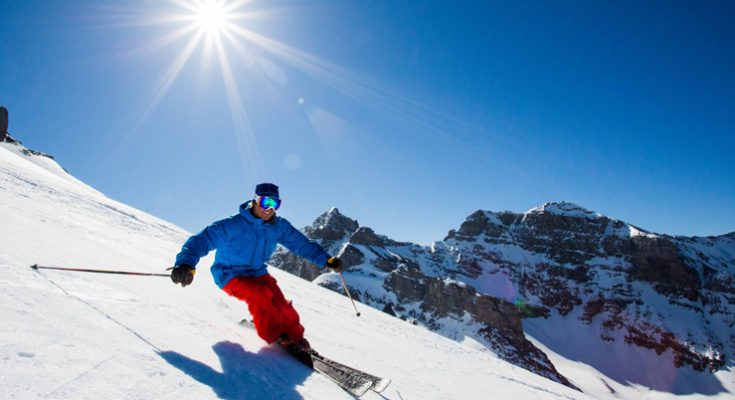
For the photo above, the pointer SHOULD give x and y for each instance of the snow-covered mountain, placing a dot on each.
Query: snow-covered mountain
(68, 335)
(581, 298)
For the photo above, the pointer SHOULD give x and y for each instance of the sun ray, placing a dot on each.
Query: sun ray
(165, 40)
(171, 74)
(234, 5)
(158, 93)
(363, 90)
(244, 52)
(190, 5)
(243, 131)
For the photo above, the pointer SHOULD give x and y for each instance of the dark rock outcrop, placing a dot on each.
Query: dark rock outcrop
(439, 298)
(656, 260)
(6, 138)
(3, 123)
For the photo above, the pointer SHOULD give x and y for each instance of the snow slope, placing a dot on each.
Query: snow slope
(69, 335)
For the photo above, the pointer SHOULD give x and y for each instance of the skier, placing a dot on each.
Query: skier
(244, 242)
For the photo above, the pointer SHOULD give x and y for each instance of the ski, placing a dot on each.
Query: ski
(378, 384)
(355, 384)
(350, 379)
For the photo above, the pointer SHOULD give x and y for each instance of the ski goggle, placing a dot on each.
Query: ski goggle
(267, 202)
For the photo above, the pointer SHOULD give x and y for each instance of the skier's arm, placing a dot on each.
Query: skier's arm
(300, 245)
(201, 244)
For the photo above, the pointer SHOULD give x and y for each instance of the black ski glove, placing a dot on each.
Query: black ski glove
(335, 264)
(183, 274)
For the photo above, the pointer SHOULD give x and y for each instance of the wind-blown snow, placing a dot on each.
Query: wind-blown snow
(69, 335)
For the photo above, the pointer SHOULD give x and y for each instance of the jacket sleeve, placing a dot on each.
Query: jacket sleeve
(300, 245)
(201, 244)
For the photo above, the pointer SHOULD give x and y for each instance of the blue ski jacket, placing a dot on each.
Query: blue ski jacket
(244, 243)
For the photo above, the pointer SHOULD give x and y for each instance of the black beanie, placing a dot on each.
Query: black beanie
(267, 189)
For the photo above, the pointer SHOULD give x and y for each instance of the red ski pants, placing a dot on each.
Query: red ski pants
(273, 315)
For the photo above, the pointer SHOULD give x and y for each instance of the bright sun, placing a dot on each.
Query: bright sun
(218, 28)
(211, 16)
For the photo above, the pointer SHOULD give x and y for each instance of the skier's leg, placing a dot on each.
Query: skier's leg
(258, 294)
(288, 316)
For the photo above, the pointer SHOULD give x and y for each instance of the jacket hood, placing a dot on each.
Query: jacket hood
(246, 205)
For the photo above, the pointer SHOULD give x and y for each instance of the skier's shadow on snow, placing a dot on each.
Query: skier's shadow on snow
(244, 375)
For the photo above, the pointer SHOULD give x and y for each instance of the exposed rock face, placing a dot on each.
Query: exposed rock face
(558, 260)
(3, 123)
(441, 299)
(656, 260)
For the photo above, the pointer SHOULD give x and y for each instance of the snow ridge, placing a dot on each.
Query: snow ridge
(565, 209)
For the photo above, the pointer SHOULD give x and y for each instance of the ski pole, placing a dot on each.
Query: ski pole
(36, 267)
(344, 285)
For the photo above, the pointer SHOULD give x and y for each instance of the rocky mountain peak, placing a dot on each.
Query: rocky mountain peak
(487, 223)
(331, 227)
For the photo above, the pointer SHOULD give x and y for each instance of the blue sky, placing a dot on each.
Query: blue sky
(407, 116)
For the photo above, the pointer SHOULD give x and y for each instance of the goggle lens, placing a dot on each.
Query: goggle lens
(267, 202)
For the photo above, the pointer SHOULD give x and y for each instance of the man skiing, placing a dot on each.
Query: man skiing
(244, 242)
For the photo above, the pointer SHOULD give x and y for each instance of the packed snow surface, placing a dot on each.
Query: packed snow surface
(71, 335)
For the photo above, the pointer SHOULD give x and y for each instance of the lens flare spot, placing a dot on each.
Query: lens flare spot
(293, 162)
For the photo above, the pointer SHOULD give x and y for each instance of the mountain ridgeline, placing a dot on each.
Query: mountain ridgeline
(661, 294)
